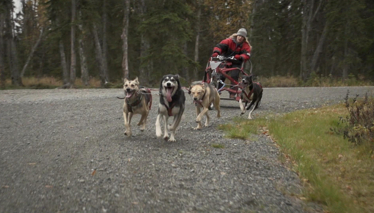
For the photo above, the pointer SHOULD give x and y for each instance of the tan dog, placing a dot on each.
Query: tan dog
(137, 101)
(204, 95)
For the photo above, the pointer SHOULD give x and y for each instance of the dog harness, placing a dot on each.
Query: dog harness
(251, 92)
(170, 109)
(134, 104)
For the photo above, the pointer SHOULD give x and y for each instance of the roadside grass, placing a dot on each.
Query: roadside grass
(274, 81)
(334, 171)
(314, 81)
(50, 83)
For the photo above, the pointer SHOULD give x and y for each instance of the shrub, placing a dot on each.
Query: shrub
(358, 126)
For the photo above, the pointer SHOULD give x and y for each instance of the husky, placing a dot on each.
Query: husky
(251, 92)
(172, 103)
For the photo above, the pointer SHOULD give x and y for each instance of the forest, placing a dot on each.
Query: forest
(112, 39)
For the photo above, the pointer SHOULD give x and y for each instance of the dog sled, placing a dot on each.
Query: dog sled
(221, 66)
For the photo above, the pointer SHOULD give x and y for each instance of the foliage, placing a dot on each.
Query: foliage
(358, 125)
(163, 34)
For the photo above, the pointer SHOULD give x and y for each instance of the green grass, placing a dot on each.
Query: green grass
(335, 173)
(218, 146)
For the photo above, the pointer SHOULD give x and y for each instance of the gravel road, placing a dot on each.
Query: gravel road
(65, 151)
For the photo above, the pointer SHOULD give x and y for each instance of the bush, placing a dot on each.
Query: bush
(358, 126)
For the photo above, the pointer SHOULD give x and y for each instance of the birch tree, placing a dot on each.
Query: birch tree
(99, 56)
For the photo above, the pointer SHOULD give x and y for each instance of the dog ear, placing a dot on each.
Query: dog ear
(177, 79)
(250, 78)
(162, 79)
(124, 80)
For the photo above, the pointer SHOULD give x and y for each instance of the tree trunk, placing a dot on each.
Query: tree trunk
(345, 64)
(319, 49)
(83, 63)
(65, 72)
(307, 14)
(185, 68)
(16, 78)
(105, 46)
(32, 52)
(99, 56)
(11, 47)
(73, 72)
(143, 54)
(197, 40)
(252, 27)
(82, 56)
(2, 52)
(124, 36)
(144, 45)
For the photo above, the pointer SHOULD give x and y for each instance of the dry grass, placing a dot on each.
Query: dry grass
(279, 81)
(314, 81)
(275, 81)
(50, 82)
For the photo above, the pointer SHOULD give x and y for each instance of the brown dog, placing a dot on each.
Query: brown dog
(204, 95)
(137, 101)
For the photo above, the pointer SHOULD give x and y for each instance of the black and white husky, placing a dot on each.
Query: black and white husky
(172, 103)
(251, 92)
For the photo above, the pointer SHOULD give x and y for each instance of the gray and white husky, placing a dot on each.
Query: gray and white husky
(172, 103)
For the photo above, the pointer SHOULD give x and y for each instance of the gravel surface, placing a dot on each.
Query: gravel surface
(65, 151)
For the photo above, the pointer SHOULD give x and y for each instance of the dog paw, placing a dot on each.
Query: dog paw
(196, 128)
(166, 138)
(128, 134)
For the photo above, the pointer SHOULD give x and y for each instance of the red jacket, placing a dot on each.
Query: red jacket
(228, 47)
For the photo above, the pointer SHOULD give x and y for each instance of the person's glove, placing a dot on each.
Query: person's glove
(214, 55)
(237, 57)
